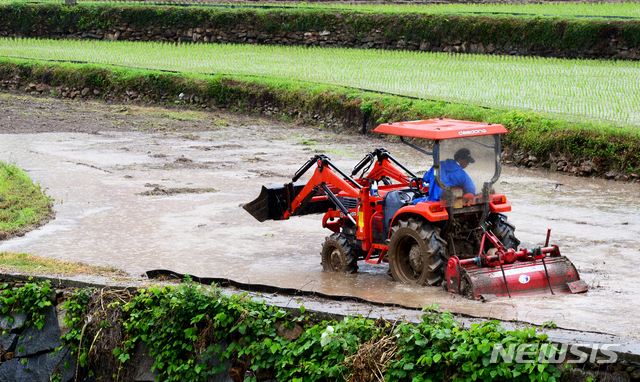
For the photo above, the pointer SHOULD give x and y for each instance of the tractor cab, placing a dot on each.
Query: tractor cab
(466, 160)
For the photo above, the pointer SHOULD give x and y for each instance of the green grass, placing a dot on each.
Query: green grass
(626, 9)
(183, 115)
(568, 10)
(561, 10)
(22, 203)
(571, 90)
(36, 265)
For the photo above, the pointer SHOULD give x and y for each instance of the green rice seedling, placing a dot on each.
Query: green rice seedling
(573, 90)
(628, 9)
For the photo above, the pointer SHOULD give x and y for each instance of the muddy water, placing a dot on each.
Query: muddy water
(95, 179)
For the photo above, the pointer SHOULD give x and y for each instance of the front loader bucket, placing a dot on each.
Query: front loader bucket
(274, 200)
(522, 278)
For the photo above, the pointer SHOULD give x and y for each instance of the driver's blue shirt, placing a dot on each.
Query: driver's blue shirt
(452, 175)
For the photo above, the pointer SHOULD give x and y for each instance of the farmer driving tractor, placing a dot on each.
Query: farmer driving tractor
(453, 175)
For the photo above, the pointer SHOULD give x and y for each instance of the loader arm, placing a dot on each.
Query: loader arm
(317, 195)
(383, 165)
(389, 170)
(323, 177)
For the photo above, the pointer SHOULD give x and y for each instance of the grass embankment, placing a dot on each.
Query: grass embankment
(609, 148)
(29, 264)
(627, 9)
(23, 207)
(23, 204)
(547, 36)
(571, 90)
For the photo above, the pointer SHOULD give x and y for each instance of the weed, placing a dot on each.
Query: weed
(221, 123)
(190, 136)
(185, 115)
(341, 152)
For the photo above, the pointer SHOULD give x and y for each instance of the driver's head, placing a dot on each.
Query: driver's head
(463, 157)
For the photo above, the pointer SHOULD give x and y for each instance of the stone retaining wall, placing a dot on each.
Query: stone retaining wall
(338, 37)
(29, 354)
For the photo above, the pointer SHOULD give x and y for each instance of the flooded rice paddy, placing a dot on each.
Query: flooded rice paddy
(99, 174)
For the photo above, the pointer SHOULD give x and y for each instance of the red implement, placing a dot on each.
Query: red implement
(505, 272)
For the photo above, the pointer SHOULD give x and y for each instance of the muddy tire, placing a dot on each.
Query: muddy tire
(504, 230)
(416, 253)
(338, 255)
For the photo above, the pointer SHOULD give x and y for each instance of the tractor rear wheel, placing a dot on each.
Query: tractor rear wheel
(338, 255)
(504, 230)
(416, 253)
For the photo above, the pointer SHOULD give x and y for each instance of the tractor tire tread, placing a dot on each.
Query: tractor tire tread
(347, 256)
(504, 230)
(431, 245)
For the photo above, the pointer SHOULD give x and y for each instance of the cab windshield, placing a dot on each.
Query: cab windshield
(476, 156)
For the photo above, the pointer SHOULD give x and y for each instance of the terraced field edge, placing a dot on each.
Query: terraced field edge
(23, 204)
(535, 140)
(459, 33)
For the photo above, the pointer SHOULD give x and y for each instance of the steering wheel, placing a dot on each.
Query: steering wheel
(415, 185)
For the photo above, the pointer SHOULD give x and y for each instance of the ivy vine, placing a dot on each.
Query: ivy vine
(186, 327)
(31, 299)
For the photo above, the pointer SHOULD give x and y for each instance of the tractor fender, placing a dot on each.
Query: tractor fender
(498, 204)
(430, 211)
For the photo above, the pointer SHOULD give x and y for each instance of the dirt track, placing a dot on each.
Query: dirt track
(98, 161)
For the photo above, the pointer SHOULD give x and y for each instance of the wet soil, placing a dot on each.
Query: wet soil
(162, 190)
(96, 160)
(25, 114)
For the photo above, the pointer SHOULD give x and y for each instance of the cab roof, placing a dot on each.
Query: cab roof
(440, 128)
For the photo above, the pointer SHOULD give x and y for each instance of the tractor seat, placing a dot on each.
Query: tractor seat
(393, 201)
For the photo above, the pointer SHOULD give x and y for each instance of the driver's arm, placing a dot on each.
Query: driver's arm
(427, 177)
(467, 184)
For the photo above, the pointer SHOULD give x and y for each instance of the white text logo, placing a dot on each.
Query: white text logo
(551, 353)
(469, 132)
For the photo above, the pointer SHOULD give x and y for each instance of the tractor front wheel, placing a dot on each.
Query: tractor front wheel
(416, 253)
(337, 255)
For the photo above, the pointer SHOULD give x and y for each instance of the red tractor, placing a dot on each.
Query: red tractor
(428, 233)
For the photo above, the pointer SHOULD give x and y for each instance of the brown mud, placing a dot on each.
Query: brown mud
(95, 160)
(159, 189)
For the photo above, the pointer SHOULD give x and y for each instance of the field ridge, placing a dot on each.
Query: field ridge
(457, 33)
(579, 148)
